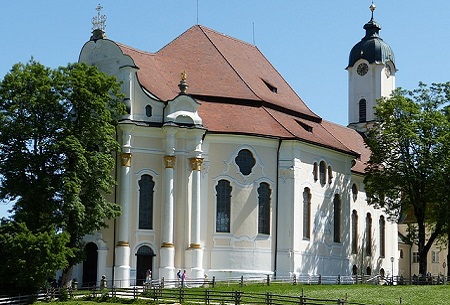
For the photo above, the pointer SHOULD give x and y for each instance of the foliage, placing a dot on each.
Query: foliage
(409, 144)
(57, 149)
(29, 259)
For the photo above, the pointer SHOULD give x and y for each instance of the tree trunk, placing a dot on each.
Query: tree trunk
(67, 276)
(422, 251)
(448, 252)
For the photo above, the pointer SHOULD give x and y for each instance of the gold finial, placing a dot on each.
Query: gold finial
(372, 8)
(98, 22)
(183, 84)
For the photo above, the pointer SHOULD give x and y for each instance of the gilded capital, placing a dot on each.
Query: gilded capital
(122, 243)
(196, 163)
(167, 245)
(169, 161)
(125, 159)
(195, 246)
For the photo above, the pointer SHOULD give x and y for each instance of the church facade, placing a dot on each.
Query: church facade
(225, 171)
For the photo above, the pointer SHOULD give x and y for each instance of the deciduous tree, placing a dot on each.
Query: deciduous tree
(408, 143)
(57, 150)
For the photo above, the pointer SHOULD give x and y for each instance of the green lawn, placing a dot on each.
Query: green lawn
(366, 294)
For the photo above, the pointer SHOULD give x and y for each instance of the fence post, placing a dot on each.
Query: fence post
(237, 298)
(268, 280)
(214, 281)
(339, 279)
(295, 279)
(207, 296)
(181, 294)
(242, 281)
(320, 279)
(135, 294)
(162, 282)
(302, 298)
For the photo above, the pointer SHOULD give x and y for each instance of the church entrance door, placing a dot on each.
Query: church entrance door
(90, 265)
(144, 262)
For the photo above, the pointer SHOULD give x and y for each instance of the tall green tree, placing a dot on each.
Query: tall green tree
(57, 150)
(404, 172)
(29, 259)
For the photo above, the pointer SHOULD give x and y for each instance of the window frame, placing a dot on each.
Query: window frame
(145, 209)
(264, 195)
(223, 205)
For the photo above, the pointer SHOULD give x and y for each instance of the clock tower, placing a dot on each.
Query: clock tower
(371, 75)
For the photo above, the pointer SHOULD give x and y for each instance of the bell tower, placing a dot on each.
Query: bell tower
(371, 75)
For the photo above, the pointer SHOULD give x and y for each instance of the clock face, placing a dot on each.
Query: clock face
(387, 70)
(362, 69)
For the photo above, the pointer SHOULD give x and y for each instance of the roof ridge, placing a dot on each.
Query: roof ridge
(133, 49)
(228, 62)
(281, 124)
(336, 138)
(227, 36)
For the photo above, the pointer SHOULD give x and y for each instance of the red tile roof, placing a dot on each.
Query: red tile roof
(235, 85)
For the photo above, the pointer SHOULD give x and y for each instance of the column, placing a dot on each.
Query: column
(101, 265)
(167, 251)
(197, 253)
(122, 261)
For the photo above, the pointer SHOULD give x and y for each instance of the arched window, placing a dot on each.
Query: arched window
(323, 172)
(316, 171)
(306, 213)
(401, 253)
(354, 192)
(330, 175)
(146, 189)
(368, 234)
(337, 218)
(223, 200)
(354, 232)
(264, 208)
(245, 161)
(382, 236)
(355, 270)
(148, 111)
(362, 110)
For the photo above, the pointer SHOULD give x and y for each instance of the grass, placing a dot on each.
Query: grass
(366, 294)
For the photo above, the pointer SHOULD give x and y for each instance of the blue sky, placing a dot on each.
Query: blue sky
(307, 41)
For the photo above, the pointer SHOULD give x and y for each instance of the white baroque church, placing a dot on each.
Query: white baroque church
(225, 171)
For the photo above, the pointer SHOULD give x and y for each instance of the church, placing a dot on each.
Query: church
(224, 170)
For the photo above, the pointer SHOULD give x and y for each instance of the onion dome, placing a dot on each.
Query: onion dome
(371, 47)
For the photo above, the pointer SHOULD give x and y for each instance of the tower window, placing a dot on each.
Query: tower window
(362, 110)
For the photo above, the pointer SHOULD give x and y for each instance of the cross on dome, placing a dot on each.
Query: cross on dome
(98, 22)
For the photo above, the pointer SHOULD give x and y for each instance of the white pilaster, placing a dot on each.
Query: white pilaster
(167, 251)
(122, 261)
(195, 246)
